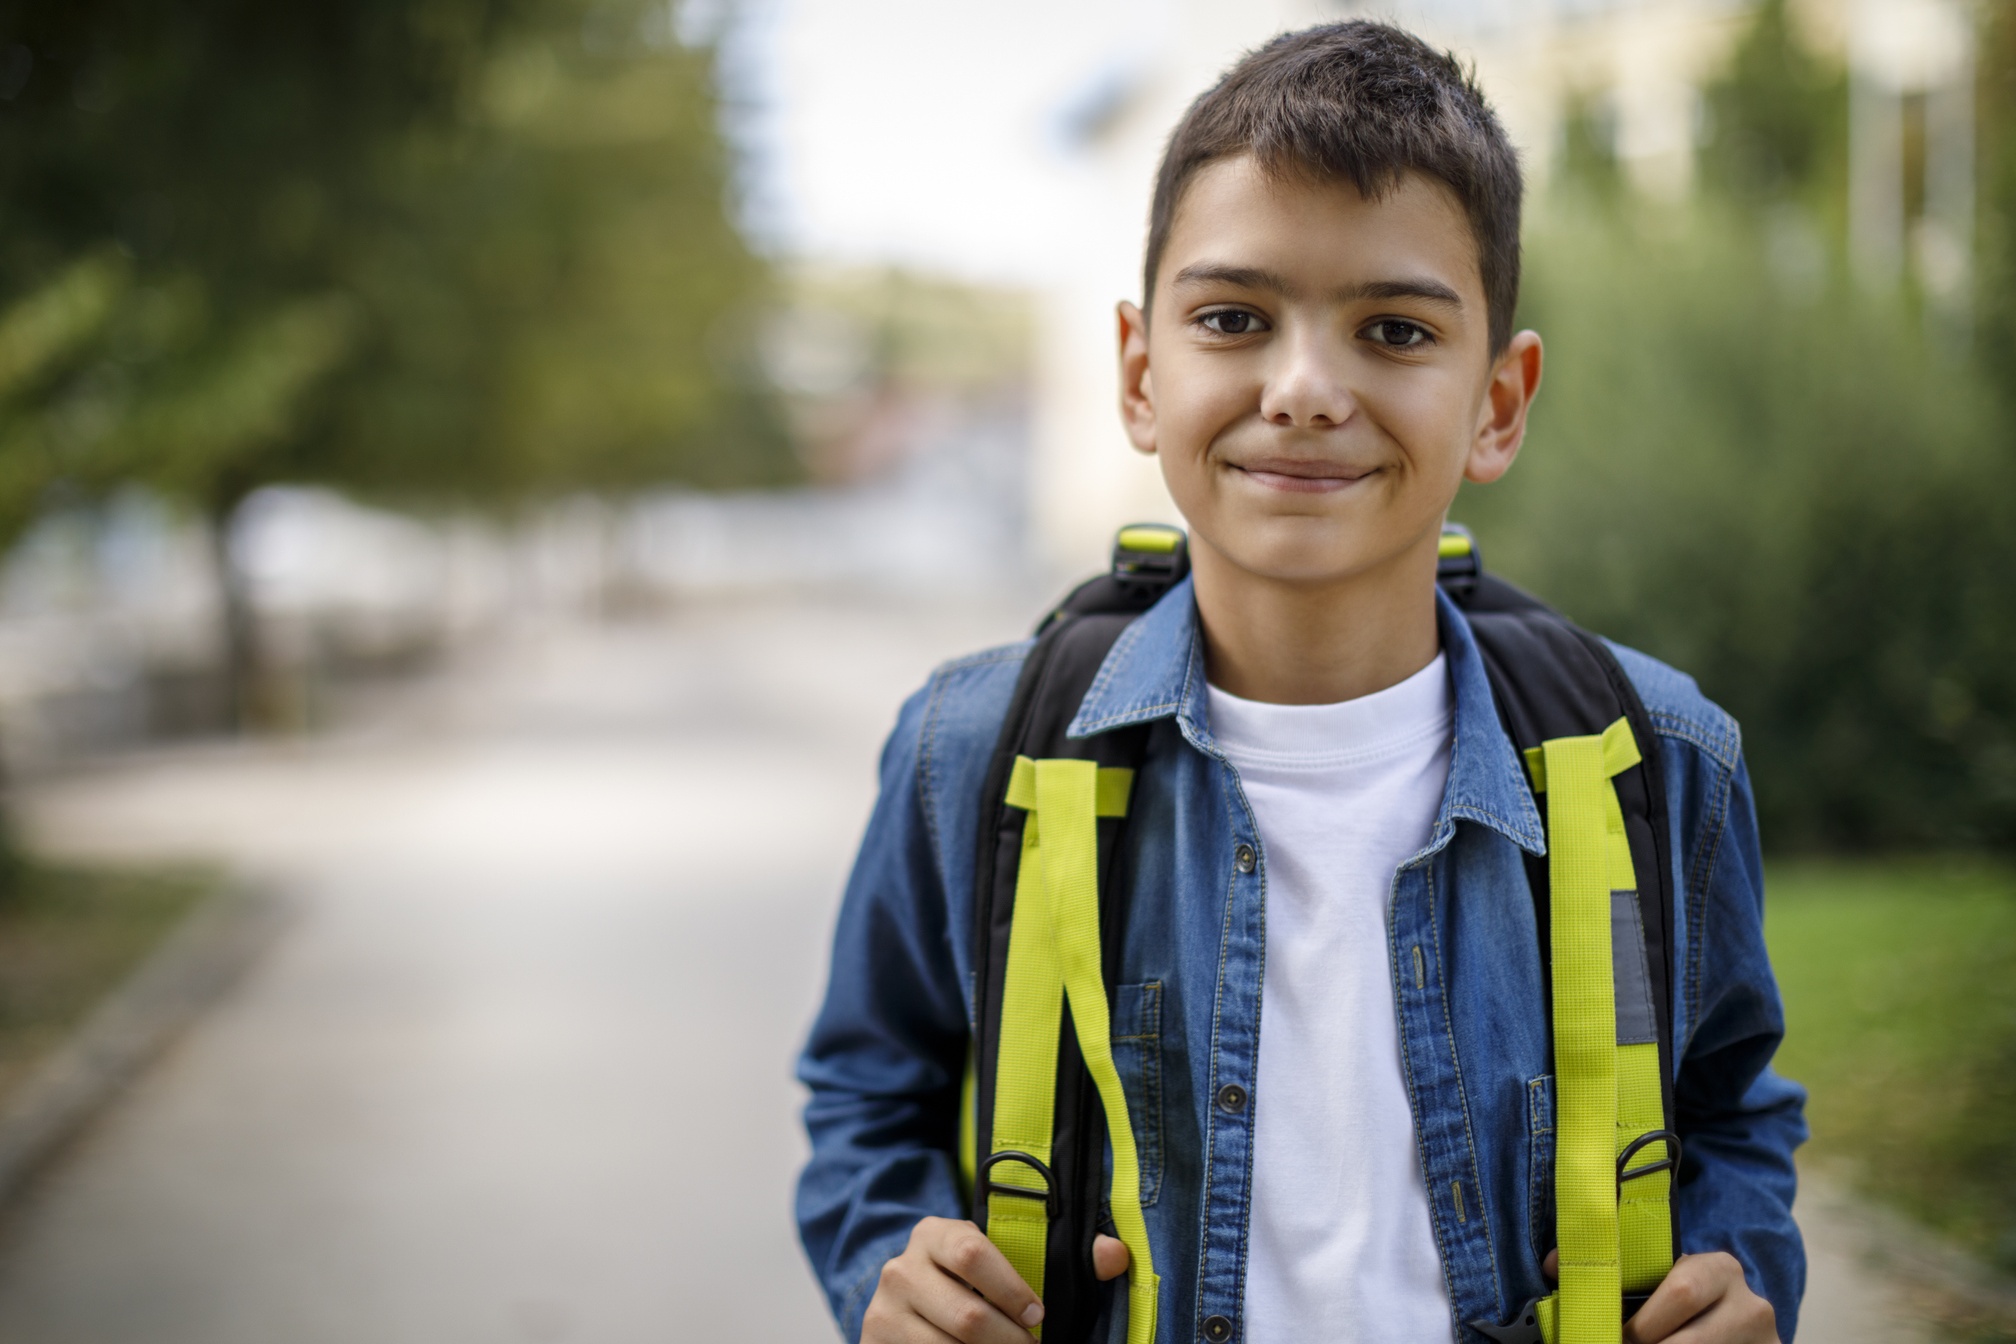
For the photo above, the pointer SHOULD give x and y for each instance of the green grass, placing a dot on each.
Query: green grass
(1900, 1001)
(68, 937)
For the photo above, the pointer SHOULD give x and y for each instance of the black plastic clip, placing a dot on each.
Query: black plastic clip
(984, 1184)
(1522, 1329)
(1525, 1327)
(1149, 559)
(1458, 562)
(1670, 1162)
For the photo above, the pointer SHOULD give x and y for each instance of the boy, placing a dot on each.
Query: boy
(1323, 353)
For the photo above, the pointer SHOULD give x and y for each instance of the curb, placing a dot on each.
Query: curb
(1931, 1288)
(189, 971)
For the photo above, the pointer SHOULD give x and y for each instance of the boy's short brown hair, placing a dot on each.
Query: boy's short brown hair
(1365, 103)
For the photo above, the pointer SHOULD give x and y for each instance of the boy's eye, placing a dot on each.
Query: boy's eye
(1398, 334)
(1231, 322)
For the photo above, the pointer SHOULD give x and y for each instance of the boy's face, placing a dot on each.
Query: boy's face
(1318, 378)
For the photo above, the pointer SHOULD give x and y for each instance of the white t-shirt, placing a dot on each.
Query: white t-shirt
(1341, 1248)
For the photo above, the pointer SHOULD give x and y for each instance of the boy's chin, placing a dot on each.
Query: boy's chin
(1302, 562)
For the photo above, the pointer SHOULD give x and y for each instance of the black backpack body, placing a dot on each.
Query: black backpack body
(1549, 678)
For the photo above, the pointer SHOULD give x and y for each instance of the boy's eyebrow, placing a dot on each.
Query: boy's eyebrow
(1420, 287)
(1259, 277)
(1244, 277)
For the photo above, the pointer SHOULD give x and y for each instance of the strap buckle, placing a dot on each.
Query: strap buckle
(1457, 562)
(1522, 1329)
(1525, 1327)
(1669, 1163)
(984, 1184)
(1149, 559)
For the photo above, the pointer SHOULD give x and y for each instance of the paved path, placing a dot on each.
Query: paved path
(519, 1072)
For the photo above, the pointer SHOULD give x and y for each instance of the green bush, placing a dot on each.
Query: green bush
(1747, 465)
(1900, 1003)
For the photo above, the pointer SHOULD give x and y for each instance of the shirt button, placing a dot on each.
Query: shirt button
(1217, 1329)
(1231, 1098)
(1245, 859)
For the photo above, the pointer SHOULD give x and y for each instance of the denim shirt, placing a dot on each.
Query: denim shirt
(888, 1049)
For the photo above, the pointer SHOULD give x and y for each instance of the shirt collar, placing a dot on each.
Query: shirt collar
(1155, 670)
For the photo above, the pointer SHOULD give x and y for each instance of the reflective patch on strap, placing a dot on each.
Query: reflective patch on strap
(1636, 1022)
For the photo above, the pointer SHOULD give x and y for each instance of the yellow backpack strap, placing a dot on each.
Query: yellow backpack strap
(1054, 953)
(1613, 1158)
(1015, 1179)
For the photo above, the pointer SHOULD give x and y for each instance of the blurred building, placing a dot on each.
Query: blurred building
(1636, 68)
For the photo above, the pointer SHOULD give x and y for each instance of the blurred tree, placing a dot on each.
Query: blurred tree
(454, 251)
(1995, 120)
(1588, 159)
(1777, 119)
(1788, 485)
(573, 307)
(1778, 483)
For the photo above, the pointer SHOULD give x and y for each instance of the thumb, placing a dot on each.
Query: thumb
(1551, 1266)
(1109, 1257)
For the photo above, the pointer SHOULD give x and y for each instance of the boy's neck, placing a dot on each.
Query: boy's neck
(1293, 643)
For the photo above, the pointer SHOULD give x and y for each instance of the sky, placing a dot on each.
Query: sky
(933, 133)
(928, 133)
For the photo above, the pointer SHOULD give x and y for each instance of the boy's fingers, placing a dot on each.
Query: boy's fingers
(1748, 1320)
(1110, 1257)
(909, 1330)
(963, 1251)
(892, 1316)
(1551, 1266)
(965, 1315)
(1696, 1284)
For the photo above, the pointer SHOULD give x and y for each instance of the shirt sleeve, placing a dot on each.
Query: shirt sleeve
(1739, 1121)
(887, 1050)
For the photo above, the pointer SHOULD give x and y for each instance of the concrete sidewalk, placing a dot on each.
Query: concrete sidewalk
(520, 1072)
(521, 1069)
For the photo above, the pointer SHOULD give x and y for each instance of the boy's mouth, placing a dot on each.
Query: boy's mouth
(1305, 476)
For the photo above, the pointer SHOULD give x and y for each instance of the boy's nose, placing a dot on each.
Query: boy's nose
(1307, 389)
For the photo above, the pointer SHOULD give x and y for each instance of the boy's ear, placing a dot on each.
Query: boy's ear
(1501, 421)
(1137, 389)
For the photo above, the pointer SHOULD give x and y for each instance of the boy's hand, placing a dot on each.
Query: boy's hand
(950, 1283)
(1704, 1300)
(953, 1283)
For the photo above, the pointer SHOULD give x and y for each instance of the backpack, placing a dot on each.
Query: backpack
(1042, 1099)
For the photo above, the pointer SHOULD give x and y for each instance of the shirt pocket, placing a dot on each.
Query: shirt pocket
(1137, 1058)
(1540, 1162)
